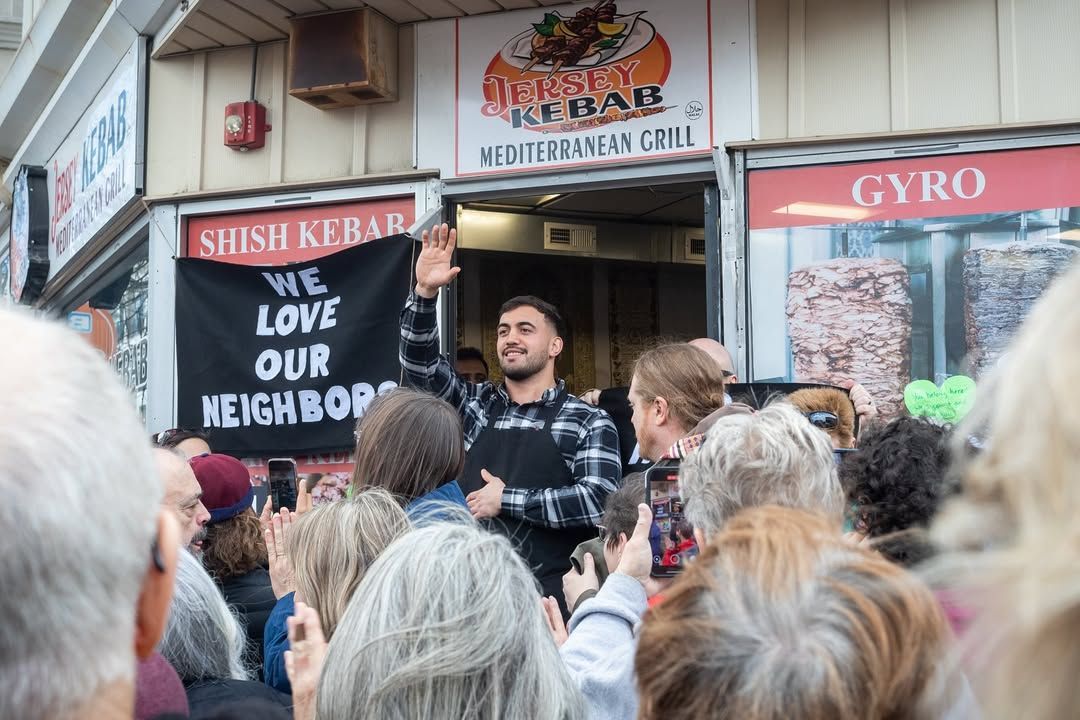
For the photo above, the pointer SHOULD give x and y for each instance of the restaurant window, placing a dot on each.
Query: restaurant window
(114, 319)
(888, 272)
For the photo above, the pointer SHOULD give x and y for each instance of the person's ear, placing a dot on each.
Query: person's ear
(660, 408)
(556, 347)
(152, 610)
(699, 538)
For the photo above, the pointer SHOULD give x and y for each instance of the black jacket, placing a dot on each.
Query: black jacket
(244, 698)
(253, 598)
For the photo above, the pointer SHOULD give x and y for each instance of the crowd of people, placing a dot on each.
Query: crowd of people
(501, 554)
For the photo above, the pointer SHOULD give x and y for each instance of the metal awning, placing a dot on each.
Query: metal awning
(215, 24)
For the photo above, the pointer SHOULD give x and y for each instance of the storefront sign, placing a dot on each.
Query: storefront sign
(285, 361)
(92, 175)
(916, 188)
(908, 276)
(29, 234)
(286, 235)
(583, 84)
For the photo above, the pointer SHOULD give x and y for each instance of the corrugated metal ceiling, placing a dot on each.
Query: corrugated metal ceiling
(215, 24)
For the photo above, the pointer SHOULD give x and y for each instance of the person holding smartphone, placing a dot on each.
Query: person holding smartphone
(771, 457)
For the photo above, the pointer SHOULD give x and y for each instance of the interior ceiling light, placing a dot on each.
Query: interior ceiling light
(823, 210)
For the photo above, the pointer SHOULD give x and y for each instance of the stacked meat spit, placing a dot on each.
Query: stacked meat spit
(850, 319)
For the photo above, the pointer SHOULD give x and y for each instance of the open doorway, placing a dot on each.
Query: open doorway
(626, 268)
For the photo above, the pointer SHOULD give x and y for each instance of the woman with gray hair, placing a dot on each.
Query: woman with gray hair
(447, 623)
(204, 642)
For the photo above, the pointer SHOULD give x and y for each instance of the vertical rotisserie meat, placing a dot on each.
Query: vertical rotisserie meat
(850, 319)
(1001, 283)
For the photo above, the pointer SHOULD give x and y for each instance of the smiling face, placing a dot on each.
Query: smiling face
(528, 344)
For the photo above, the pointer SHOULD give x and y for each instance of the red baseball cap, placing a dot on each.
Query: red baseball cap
(226, 485)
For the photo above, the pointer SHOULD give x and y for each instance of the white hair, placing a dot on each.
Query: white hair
(203, 639)
(81, 501)
(771, 457)
(447, 623)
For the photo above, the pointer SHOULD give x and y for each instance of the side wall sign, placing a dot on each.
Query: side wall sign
(29, 234)
(92, 176)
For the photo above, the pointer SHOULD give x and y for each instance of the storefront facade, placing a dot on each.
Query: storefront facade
(707, 167)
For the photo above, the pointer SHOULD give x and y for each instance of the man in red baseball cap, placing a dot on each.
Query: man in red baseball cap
(234, 551)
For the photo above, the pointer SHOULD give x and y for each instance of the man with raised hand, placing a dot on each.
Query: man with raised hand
(539, 462)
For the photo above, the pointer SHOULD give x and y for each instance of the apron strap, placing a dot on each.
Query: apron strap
(547, 413)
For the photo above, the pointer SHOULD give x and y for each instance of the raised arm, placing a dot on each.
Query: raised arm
(418, 349)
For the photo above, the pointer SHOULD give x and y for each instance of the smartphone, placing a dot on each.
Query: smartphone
(281, 474)
(671, 537)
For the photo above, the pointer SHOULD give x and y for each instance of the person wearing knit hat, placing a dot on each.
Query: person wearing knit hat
(234, 551)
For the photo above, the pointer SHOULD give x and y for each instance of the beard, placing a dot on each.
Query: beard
(200, 536)
(525, 368)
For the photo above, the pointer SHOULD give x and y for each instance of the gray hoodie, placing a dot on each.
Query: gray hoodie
(600, 650)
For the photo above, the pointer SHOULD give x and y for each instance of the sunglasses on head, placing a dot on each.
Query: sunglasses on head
(823, 419)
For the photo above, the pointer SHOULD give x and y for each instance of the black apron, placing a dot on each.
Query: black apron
(527, 458)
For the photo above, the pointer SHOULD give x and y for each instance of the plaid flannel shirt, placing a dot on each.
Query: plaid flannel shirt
(586, 436)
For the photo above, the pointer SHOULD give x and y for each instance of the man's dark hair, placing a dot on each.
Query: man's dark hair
(620, 510)
(895, 482)
(172, 438)
(471, 353)
(549, 311)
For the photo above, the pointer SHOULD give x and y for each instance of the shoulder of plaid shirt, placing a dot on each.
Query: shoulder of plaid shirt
(585, 435)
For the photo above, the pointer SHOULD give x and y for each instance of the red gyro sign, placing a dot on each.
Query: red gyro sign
(922, 186)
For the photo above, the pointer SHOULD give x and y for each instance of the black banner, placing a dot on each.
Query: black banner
(283, 360)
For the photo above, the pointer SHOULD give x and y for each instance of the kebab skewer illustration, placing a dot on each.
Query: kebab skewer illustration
(558, 42)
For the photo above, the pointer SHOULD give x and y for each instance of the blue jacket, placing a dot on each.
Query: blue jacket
(275, 643)
(433, 506)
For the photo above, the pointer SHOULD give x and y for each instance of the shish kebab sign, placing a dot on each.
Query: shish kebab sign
(583, 84)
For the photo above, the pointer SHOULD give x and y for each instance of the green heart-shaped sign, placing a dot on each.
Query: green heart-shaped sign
(950, 402)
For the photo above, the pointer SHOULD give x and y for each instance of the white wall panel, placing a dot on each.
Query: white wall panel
(831, 67)
(188, 95)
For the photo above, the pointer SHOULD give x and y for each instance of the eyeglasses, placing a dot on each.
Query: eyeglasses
(727, 374)
(603, 532)
(823, 419)
(165, 435)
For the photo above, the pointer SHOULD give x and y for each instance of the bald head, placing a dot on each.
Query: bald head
(720, 354)
(183, 495)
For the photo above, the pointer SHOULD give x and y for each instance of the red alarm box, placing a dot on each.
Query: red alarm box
(245, 125)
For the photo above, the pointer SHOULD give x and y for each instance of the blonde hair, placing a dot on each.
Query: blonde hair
(685, 376)
(779, 617)
(332, 546)
(1012, 536)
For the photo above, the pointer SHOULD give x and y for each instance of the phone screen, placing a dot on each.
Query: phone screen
(282, 479)
(671, 537)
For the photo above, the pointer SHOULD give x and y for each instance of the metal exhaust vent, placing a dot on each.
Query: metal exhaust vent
(695, 247)
(565, 237)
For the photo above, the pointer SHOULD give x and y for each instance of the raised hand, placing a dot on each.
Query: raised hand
(282, 577)
(304, 659)
(434, 268)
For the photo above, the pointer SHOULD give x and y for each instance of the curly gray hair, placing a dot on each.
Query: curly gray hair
(771, 457)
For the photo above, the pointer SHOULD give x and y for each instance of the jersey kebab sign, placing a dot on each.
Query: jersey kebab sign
(580, 85)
